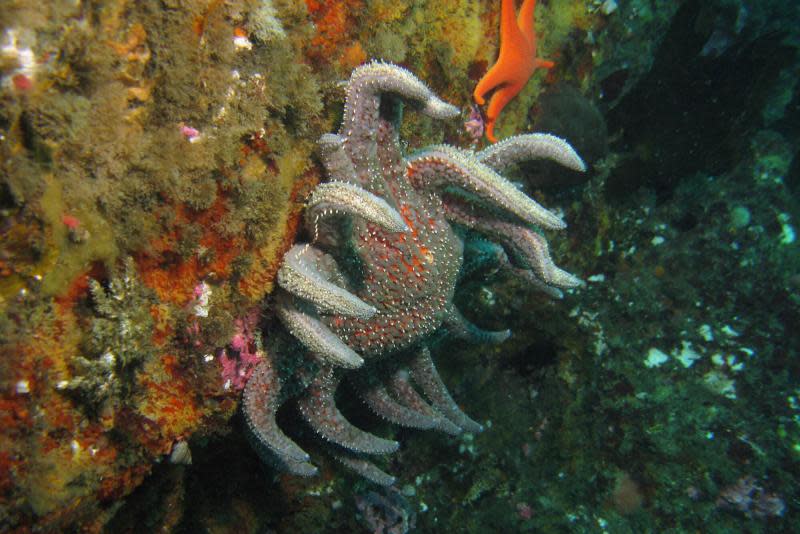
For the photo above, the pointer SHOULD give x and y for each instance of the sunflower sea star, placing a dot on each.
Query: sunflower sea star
(379, 276)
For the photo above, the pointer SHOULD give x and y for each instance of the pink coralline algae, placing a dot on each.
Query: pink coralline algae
(236, 370)
(199, 306)
(191, 134)
(748, 497)
(524, 511)
(474, 125)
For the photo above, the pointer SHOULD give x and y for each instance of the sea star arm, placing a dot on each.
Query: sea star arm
(490, 80)
(303, 275)
(525, 20)
(526, 147)
(319, 409)
(512, 44)
(481, 254)
(338, 165)
(260, 402)
(376, 396)
(315, 335)
(366, 469)
(530, 277)
(500, 98)
(401, 388)
(362, 104)
(340, 198)
(369, 81)
(515, 64)
(424, 373)
(525, 247)
(459, 326)
(443, 166)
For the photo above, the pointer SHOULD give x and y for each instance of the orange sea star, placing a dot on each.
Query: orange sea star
(515, 63)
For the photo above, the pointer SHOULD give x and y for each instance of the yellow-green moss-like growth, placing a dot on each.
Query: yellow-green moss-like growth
(120, 338)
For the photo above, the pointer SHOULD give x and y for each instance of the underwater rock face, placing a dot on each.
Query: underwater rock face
(379, 276)
(563, 111)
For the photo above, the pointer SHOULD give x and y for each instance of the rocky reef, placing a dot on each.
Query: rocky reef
(155, 159)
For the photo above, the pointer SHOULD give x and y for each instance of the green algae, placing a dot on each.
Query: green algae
(73, 256)
(119, 339)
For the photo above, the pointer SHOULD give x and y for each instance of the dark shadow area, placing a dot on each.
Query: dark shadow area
(695, 110)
